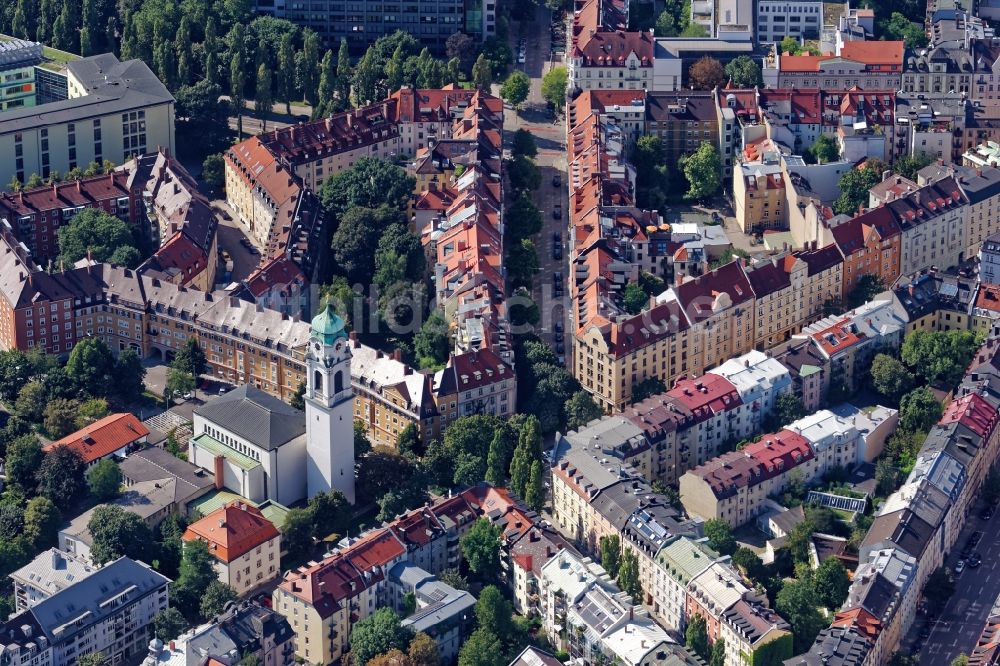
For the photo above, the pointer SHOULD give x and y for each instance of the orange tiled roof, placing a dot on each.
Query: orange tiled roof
(103, 437)
(232, 530)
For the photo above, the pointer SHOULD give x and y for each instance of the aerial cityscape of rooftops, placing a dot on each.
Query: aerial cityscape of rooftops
(499, 333)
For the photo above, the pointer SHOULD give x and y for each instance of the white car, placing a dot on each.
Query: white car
(520, 58)
(960, 566)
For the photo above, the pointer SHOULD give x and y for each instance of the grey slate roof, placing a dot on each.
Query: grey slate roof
(255, 416)
(835, 646)
(88, 595)
(112, 87)
(153, 464)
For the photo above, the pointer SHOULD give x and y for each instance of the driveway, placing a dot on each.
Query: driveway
(957, 628)
(549, 132)
(230, 235)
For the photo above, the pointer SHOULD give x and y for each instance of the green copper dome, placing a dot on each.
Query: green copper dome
(328, 326)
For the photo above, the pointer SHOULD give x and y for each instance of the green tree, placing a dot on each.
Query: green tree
(524, 174)
(307, 66)
(908, 166)
(60, 476)
(939, 587)
(790, 46)
(788, 407)
(42, 521)
(168, 624)
(703, 170)
(431, 344)
(611, 551)
(298, 400)
(91, 366)
(377, 634)
(178, 383)
(962, 659)
(554, 87)
(190, 358)
(237, 87)
(215, 598)
(130, 376)
(408, 440)
(634, 299)
(919, 410)
(718, 653)
(213, 171)
(93, 659)
(940, 357)
(706, 74)
(831, 583)
(370, 183)
(116, 533)
(104, 480)
(720, 536)
(628, 575)
(886, 476)
(868, 286)
(824, 149)
(494, 612)
(344, 75)
(481, 548)
(581, 410)
(534, 492)
(482, 73)
(647, 388)
(899, 28)
(24, 457)
(522, 264)
(523, 217)
(524, 144)
(744, 72)
(695, 30)
(854, 186)
(515, 88)
(890, 377)
(696, 636)
(60, 417)
(94, 231)
(748, 562)
(482, 648)
(796, 602)
(798, 542)
(327, 86)
(423, 651)
(286, 72)
(196, 573)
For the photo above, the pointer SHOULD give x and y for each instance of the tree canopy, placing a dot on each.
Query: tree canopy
(92, 230)
(707, 73)
(515, 88)
(703, 170)
(744, 72)
(854, 186)
(377, 634)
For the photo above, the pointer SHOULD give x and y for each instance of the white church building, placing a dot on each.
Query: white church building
(264, 449)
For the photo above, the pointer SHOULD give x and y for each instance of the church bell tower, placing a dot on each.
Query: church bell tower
(329, 399)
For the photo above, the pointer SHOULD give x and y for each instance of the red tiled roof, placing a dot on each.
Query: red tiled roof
(708, 394)
(88, 190)
(698, 297)
(103, 437)
(836, 337)
(973, 412)
(850, 235)
(279, 272)
(874, 52)
(232, 530)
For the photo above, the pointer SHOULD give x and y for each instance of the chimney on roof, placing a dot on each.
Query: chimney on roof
(397, 355)
(79, 186)
(350, 120)
(379, 354)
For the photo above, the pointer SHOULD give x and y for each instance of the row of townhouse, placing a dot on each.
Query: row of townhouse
(153, 193)
(587, 616)
(108, 611)
(700, 323)
(323, 600)
(735, 486)
(244, 342)
(919, 524)
(604, 53)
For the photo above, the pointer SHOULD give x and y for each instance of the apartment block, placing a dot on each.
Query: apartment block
(777, 19)
(49, 573)
(867, 65)
(431, 22)
(246, 545)
(115, 110)
(475, 382)
(110, 611)
(871, 244)
(759, 195)
(683, 120)
(603, 53)
(677, 563)
(980, 184)
(734, 486)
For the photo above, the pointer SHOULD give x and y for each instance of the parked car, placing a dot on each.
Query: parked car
(557, 212)
(987, 513)
(959, 567)
(556, 237)
(560, 348)
(520, 58)
(559, 336)
(557, 252)
(556, 180)
(558, 327)
(974, 561)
